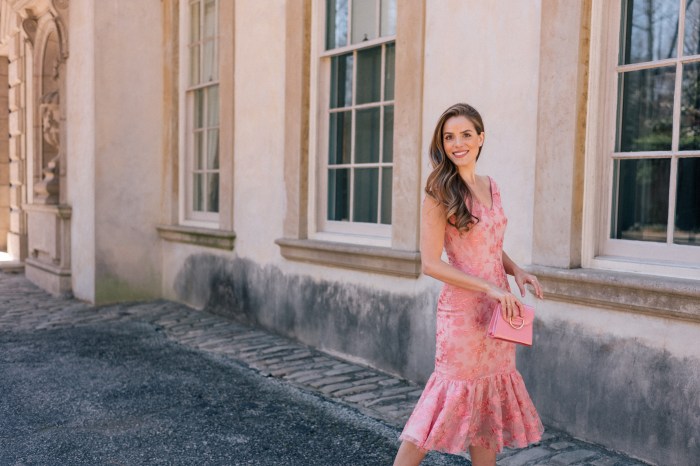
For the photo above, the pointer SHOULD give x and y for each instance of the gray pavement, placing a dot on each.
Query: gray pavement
(160, 383)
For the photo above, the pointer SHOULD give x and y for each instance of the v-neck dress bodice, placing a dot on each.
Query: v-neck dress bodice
(475, 395)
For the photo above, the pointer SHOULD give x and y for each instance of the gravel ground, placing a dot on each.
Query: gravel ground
(121, 393)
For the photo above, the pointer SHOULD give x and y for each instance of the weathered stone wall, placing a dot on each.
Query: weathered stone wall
(632, 394)
(389, 330)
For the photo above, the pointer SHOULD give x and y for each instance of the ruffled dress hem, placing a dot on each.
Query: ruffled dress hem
(493, 412)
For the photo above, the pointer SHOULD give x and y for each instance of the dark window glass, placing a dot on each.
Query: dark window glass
(369, 67)
(645, 112)
(367, 135)
(650, 30)
(690, 107)
(338, 194)
(341, 81)
(366, 192)
(687, 218)
(339, 138)
(641, 210)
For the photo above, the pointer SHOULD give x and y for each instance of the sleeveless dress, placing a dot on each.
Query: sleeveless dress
(475, 395)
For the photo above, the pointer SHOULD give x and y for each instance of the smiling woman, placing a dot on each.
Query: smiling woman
(475, 400)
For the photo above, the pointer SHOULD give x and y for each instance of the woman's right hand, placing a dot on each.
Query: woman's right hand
(510, 304)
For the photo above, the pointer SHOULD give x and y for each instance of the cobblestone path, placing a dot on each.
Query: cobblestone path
(376, 394)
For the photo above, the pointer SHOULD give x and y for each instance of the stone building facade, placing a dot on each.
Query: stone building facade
(265, 159)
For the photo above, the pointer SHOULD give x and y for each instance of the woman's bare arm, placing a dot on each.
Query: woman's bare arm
(521, 277)
(433, 224)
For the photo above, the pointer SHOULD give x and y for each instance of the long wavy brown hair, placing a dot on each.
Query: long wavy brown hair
(444, 183)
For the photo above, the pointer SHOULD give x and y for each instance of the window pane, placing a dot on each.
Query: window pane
(646, 109)
(338, 195)
(336, 23)
(210, 71)
(210, 18)
(642, 199)
(650, 30)
(198, 150)
(369, 68)
(365, 195)
(367, 136)
(691, 42)
(386, 195)
(213, 192)
(339, 138)
(194, 22)
(213, 149)
(341, 81)
(198, 192)
(213, 106)
(389, 71)
(388, 17)
(690, 108)
(388, 143)
(194, 64)
(199, 108)
(364, 20)
(687, 222)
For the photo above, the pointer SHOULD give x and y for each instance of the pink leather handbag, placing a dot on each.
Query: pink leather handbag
(517, 330)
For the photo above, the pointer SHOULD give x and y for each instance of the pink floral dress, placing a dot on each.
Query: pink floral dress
(475, 396)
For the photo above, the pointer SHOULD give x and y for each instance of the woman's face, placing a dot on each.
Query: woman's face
(461, 140)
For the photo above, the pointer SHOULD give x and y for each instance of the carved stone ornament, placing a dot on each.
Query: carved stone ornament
(30, 26)
(47, 189)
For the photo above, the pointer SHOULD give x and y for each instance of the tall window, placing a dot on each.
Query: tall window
(656, 160)
(360, 55)
(202, 112)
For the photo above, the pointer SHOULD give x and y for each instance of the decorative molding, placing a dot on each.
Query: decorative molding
(629, 292)
(205, 237)
(367, 258)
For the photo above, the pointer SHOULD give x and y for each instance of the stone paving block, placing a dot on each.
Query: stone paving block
(605, 461)
(328, 380)
(280, 348)
(365, 381)
(334, 387)
(355, 389)
(297, 355)
(344, 370)
(525, 456)
(383, 400)
(560, 445)
(303, 373)
(389, 382)
(571, 457)
(403, 391)
(361, 397)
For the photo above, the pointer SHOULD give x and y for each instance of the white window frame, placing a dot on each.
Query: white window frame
(599, 250)
(318, 226)
(187, 215)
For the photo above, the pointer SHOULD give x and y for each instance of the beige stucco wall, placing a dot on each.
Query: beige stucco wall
(259, 128)
(487, 54)
(80, 146)
(127, 148)
(113, 148)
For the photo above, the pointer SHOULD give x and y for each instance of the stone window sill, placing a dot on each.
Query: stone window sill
(367, 258)
(200, 236)
(657, 296)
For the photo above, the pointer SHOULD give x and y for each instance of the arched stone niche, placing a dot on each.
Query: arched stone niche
(49, 124)
(48, 215)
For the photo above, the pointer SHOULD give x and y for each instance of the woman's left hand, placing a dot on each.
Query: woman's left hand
(522, 278)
